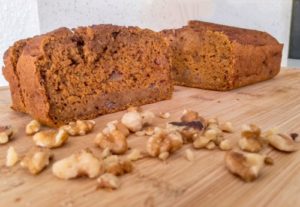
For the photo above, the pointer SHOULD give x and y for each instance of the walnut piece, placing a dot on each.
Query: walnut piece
(116, 125)
(211, 145)
(251, 131)
(109, 181)
(163, 141)
(36, 160)
(115, 141)
(105, 153)
(245, 165)
(80, 127)
(250, 144)
(147, 117)
(225, 145)
(132, 120)
(226, 127)
(82, 163)
(269, 161)
(189, 155)
(283, 143)
(12, 157)
(201, 142)
(116, 166)
(6, 133)
(51, 138)
(164, 115)
(32, 127)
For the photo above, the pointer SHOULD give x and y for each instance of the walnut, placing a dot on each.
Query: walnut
(80, 127)
(245, 165)
(135, 154)
(12, 157)
(189, 155)
(164, 141)
(226, 127)
(36, 160)
(116, 125)
(116, 166)
(109, 181)
(165, 115)
(132, 120)
(82, 163)
(225, 145)
(250, 144)
(6, 133)
(115, 141)
(213, 123)
(164, 155)
(214, 134)
(51, 138)
(201, 142)
(283, 143)
(251, 131)
(32, 127)
(147, 117)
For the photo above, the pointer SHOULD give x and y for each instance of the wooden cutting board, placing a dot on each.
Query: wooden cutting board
(176, 182)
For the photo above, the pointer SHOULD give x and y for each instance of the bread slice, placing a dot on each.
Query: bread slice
(75, 74)
(218, 57)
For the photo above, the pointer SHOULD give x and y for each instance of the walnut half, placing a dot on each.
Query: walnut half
(245, 165)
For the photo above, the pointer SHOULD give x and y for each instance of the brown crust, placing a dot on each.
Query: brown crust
(254, 56)
(9, 71)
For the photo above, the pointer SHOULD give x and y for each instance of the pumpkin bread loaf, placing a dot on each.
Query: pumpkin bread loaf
(218, 57)
(81, 73)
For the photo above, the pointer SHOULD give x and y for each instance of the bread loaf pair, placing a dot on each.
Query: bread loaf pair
(81, 73)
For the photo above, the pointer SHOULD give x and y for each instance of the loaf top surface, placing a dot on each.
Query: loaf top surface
(240, 35)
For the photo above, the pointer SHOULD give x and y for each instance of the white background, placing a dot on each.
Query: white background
(24, 18)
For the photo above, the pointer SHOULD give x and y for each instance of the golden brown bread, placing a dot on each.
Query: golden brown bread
(219, 57)
(81, 73)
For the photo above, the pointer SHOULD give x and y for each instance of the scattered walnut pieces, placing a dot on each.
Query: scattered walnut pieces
(36, 160)
(109, 181)
(82, 163)
(32, 127)
(147, 117)
(115, 141)
(190, 126)
(51, 138)
(189, 155)
(6, 133)
(12, 157)
(117, 166)
(80, 127)
(163, 142)
(135, 154)
(245, 165)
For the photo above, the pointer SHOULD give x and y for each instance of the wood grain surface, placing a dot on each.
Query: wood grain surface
(176, 182)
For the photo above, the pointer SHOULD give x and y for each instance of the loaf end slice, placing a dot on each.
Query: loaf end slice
(218, 57)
